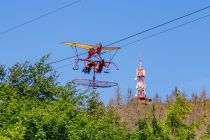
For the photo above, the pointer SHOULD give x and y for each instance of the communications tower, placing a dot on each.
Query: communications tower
(141, 84)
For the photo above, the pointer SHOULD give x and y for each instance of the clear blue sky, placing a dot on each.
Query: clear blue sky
(176, 58)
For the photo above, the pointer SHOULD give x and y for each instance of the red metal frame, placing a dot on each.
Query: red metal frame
(93, 51)
(96, 53)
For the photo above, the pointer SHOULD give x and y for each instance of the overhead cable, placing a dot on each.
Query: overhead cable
(149, 29)
(175, 27)
(39, 17)
(160, 25)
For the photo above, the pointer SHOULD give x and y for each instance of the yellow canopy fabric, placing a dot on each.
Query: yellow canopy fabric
(110, 48)
(88, 47)
(84, 46)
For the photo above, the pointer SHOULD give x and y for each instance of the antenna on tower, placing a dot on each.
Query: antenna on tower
(140, 58)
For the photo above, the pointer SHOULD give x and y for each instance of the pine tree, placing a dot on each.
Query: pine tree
(177, 113)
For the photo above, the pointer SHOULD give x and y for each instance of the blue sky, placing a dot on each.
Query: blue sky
(176, 58)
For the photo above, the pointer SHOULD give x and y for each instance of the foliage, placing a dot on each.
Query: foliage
(34, 105)
(174, 125)
(206, 135)
(177, 113)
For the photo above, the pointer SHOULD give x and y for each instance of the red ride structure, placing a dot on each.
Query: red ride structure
(93, 62)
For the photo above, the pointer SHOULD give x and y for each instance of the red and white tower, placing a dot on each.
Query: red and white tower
(141, 84)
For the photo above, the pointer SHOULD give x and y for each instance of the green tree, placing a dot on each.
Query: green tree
(176, 115)
(33, 105)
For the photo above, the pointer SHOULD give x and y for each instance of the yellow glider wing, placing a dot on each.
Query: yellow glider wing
(84, 46)
(110, 48)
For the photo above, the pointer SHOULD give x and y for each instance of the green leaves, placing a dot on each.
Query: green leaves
(177, 113)
(173, 125)
(34, 106)
(2, 73)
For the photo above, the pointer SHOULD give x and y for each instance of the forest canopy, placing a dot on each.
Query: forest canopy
(34, 105)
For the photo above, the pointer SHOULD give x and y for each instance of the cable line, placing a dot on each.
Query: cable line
(57, 61)
(39, 17)
(165, 23)
(149, 29)
(178, 26)
(63, 66)
(150, 36)
(156, 34)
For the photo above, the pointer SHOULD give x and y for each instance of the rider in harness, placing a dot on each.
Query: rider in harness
(88, 67)
(99, 66)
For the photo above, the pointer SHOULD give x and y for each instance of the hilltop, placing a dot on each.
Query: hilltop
(131, 110)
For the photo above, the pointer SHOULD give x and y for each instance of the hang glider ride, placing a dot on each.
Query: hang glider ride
(93, 62)
(88, 47)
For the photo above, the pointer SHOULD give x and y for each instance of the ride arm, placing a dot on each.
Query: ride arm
(107, 64)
